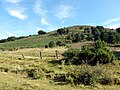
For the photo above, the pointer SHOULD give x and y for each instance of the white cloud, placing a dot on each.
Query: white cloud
(38, 8)
(44, 21)
(9, 33)
(114, 26)
(17, 13)
(13, 1)
(64, 11)
(112, 20)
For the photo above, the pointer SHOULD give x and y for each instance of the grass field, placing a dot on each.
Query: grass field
(13, 69)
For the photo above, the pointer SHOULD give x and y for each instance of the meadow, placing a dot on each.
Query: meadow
(14, 71)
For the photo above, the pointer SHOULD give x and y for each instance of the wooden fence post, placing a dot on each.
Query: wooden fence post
(23, 56)
(40, 55)
(56, 54)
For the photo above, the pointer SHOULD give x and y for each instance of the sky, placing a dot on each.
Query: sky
(27, 17)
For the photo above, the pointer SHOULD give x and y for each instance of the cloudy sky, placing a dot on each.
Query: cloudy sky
(25, 17)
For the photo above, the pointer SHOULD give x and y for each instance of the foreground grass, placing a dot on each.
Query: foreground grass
(13, 68)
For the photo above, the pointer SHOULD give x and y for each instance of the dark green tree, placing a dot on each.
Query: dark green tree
(12, 38)
(77, 38)
(101, 28)
(61, 31)
(118, 30)
(112, 37)
(41, 32)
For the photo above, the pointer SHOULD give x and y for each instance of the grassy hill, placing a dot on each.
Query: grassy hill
(41, 40)
(29, 42)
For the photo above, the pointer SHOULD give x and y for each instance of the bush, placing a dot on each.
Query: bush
(46, 46)
(86, 76)
(106, 81)
(35, 73)
(70, 53)
(68, 41)
(52, 44)
(97, 54)
(59, 43)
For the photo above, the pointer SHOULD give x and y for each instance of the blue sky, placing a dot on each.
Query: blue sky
(25, 17)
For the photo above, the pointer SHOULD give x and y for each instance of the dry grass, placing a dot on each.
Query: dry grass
(14, 61)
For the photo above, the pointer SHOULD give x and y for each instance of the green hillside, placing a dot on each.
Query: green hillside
(30, 42)
(72, 34)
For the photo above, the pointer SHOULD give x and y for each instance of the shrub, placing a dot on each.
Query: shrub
(59, 43)
(52, 44)
(106, 81)
(70, 53)
(68, 41)
(61, 31)
(116, 81)
(86, 76)
(46, 46)
(60, 78)
(35, 73)
(99, 53)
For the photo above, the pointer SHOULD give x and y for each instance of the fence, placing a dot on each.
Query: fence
(43, 54)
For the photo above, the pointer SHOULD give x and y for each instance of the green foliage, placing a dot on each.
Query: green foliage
(90, 37)
(70, 53)
(77, 37)
(59, 43)
(100, 27)
(68, 41)
(61, 31)
(69, 37)
(12, 38)
(97, 54)
(35, 73)
(87, 30)
(118, 30)
(51, 44)
(41, 32)
(86, 76)
(106, 81)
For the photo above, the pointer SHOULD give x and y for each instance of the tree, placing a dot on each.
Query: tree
(118, 30)
(104, 36)
(12, 38)
(87, 30)
(61, 31)
(112, 37)
(52, 44)
(96, 32)
(90, 37)
(77, 38)
(69, 37)
(101, 28)
(41, 32)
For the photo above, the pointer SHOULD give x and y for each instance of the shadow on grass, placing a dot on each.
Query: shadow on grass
(60, 79)
(117, 54)
(55, 62)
